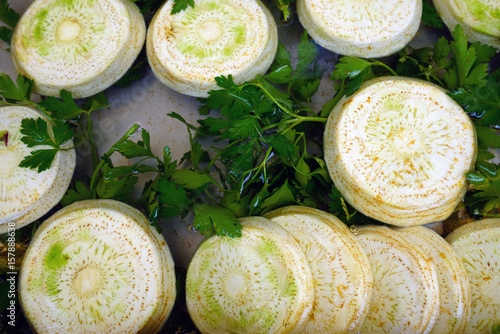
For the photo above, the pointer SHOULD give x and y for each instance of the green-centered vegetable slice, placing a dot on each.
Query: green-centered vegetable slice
(478, 246)
(455, 304)
(81, 46)
(368, 29)
(480, 19)
(97, 266)
(405, 296)
(26, 194)
(393, 151)
(188, 50)
(259, 283)
(339, 266)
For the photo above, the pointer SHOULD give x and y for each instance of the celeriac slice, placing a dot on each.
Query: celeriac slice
(480, 19)
(26, 194)
(259, 283)
(405, 296)
(393, 151)
(359, 28)
(339, 266)
(455, 303)
(189, 49)
(97, 266)
(81, 46)
(478, 246)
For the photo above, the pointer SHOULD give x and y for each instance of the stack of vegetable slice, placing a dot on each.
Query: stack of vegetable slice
(97, 266)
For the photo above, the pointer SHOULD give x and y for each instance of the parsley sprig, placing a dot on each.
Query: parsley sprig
(10, 17)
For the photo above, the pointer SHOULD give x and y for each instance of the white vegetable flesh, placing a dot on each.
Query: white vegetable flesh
(81, 46)
(393, 151)
(189, 49)
(26, 194)
(339, 266)
(405, 296)
(259, 283)
(455, 296)
(480, 19)
(359, 28)
(97, 266)
(478, 246)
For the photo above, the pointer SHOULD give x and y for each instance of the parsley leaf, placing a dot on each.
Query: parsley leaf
(180, 5)
(19, 91)
(7, 14)
(210, 218)
(173, 198)
(430, 16)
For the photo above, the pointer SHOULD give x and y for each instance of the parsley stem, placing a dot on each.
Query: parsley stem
(388, 68)
(93, 180)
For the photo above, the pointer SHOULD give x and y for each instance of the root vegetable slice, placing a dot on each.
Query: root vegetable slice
(455, 304)
(480, 19)
(189, 49)
(405, 296)
(259, 283)
(81, 46)
(25, 194)
(97, 266)
(393, 151)
(374, 28)
(339, 266)
(478, 246)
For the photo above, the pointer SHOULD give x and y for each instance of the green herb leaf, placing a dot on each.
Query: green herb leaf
(349, 67)
(8, 15)
(80, 192)
(19, 91)
(208, 218)
(430, 16)
(6, 34)
(180, 5)
(173, 198)
(65, 108)
(190, 179)
(39, 159)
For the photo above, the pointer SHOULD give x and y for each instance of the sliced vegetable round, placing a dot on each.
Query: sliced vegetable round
(480, 19)
(478, 246)
(81, 46)
(455, 304)
(26, 194)
(405, 296)
(188, 50)
(339, 266)
(259, 283)
(97, 266)
(367, 29)
(393, 151)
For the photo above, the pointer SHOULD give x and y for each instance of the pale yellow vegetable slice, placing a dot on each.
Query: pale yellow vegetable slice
(26, 194)
(188, 50)
(259, 283)
(480, 19)
(81, 46)
(374, 28)
(393, 151)
(97, 266)
(339, 266)
(455, 304)
(478, 246)
(405, 296)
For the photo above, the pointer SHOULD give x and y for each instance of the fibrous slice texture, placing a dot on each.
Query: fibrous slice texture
(405, 296)
(393, 151)
(360, 28)
(339, 266)
(188, 50)
(81, 46)
(259, 283)
(97, 266)
(478, 246)
(26, 194)
(454, 291)
(480, 19)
